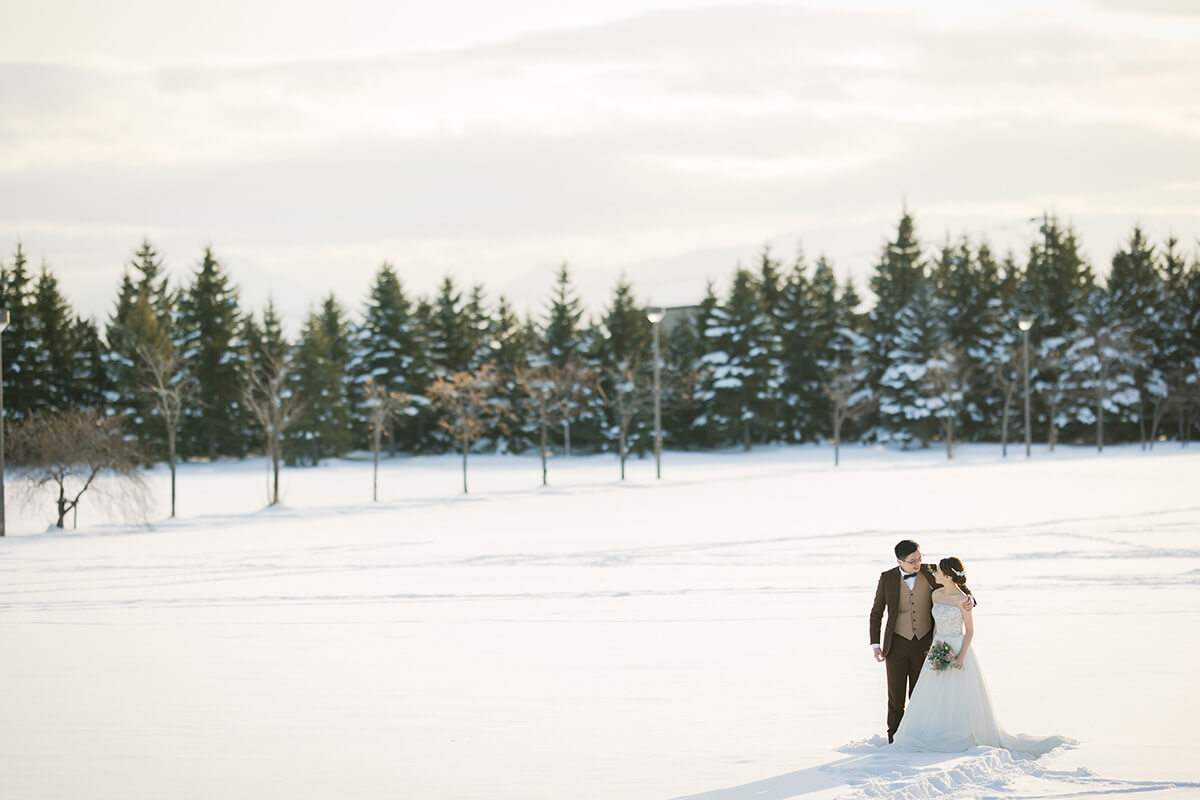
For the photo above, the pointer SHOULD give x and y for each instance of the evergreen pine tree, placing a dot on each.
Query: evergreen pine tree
(905, 408)
(510, 342)
(391, 351)
(143, 278)
(969, 288)
(210, 329)
(52, 354)
(628, 330)
(20, 377)
(339, 351)
(564, 313)
(153, 282)
(1099, 365)
(624, 351)
(479, 336)
(771, 281)
(451, 335)
(804, 406)
(1179, 324)
(828, 312)
(265, 340)
(682, 382)
(998, 356)
(1187, 401)
(771, 287)
(121, 359)
(1056, 284)
(1058, 280)
(897, 275)
(323, 429)
(1010, 280)
(91, 386)
(708, 426)
(1138, 294)
(586, 424)
(848, 304)
(747, 378)
(831, 312)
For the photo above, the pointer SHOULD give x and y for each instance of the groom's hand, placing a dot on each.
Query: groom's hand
(878, 654)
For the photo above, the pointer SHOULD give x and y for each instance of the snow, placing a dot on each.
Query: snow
(704, 635)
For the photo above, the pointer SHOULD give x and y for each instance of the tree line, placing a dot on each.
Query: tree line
(784, 355)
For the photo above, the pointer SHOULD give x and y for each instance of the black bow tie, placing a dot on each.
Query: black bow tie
(909, 575)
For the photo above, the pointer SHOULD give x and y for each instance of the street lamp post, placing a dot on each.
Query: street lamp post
(655, 315)
(1025, 324)
(3, 325)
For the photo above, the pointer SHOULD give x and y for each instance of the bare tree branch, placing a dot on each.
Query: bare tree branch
(68, 450)
(274, 407)
(381, 405)
(170, 387)
(465, 400)
(555, 393)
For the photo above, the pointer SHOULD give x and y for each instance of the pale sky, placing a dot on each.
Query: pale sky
(668, 140)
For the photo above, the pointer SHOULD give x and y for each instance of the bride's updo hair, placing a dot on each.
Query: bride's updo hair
(954, 568)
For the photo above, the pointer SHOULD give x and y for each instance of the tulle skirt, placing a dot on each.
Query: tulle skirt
(951, 711)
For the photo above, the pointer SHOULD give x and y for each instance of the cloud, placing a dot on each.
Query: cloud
(673, 138)
(1167, 8)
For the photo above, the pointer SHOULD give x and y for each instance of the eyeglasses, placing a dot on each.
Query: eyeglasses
(913, 562)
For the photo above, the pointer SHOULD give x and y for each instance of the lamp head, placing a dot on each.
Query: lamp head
(1025, 323)
(655, 315)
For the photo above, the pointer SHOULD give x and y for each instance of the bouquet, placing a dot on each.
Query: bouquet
(942, 657)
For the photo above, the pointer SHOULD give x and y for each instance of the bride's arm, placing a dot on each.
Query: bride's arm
(968, 635)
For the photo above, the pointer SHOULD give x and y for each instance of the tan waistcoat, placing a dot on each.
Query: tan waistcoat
(916, 610)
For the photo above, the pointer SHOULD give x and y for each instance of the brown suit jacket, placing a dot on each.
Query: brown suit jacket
(887, 595)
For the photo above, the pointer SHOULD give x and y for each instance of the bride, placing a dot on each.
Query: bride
(951, 711)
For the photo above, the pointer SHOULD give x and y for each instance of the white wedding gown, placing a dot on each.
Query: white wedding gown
(951, 711)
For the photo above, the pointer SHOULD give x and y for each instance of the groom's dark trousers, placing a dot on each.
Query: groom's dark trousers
(904, 660)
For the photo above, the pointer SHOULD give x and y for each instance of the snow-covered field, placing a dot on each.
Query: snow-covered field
(703, 636)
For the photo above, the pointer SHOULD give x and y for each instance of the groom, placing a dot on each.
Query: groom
(907, 592)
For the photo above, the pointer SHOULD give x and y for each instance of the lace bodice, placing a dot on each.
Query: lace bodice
(947, 620)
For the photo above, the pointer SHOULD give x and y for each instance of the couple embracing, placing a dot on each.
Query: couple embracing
(926, 646)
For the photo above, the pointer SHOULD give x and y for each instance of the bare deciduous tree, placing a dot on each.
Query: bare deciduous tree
(1159, 389)
(630, 394)
(381, 404)
(170, 387)
(575, 380)
(845, 384)
(68, 450)
(1054, 384)
(465, 400)
(1183, 398)
(1103, 356)
(947, 379)
(554, 393)
(274, 406)
(537, 383)
(1005, 370)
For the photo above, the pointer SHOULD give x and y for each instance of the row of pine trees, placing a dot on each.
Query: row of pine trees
(938, 357)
